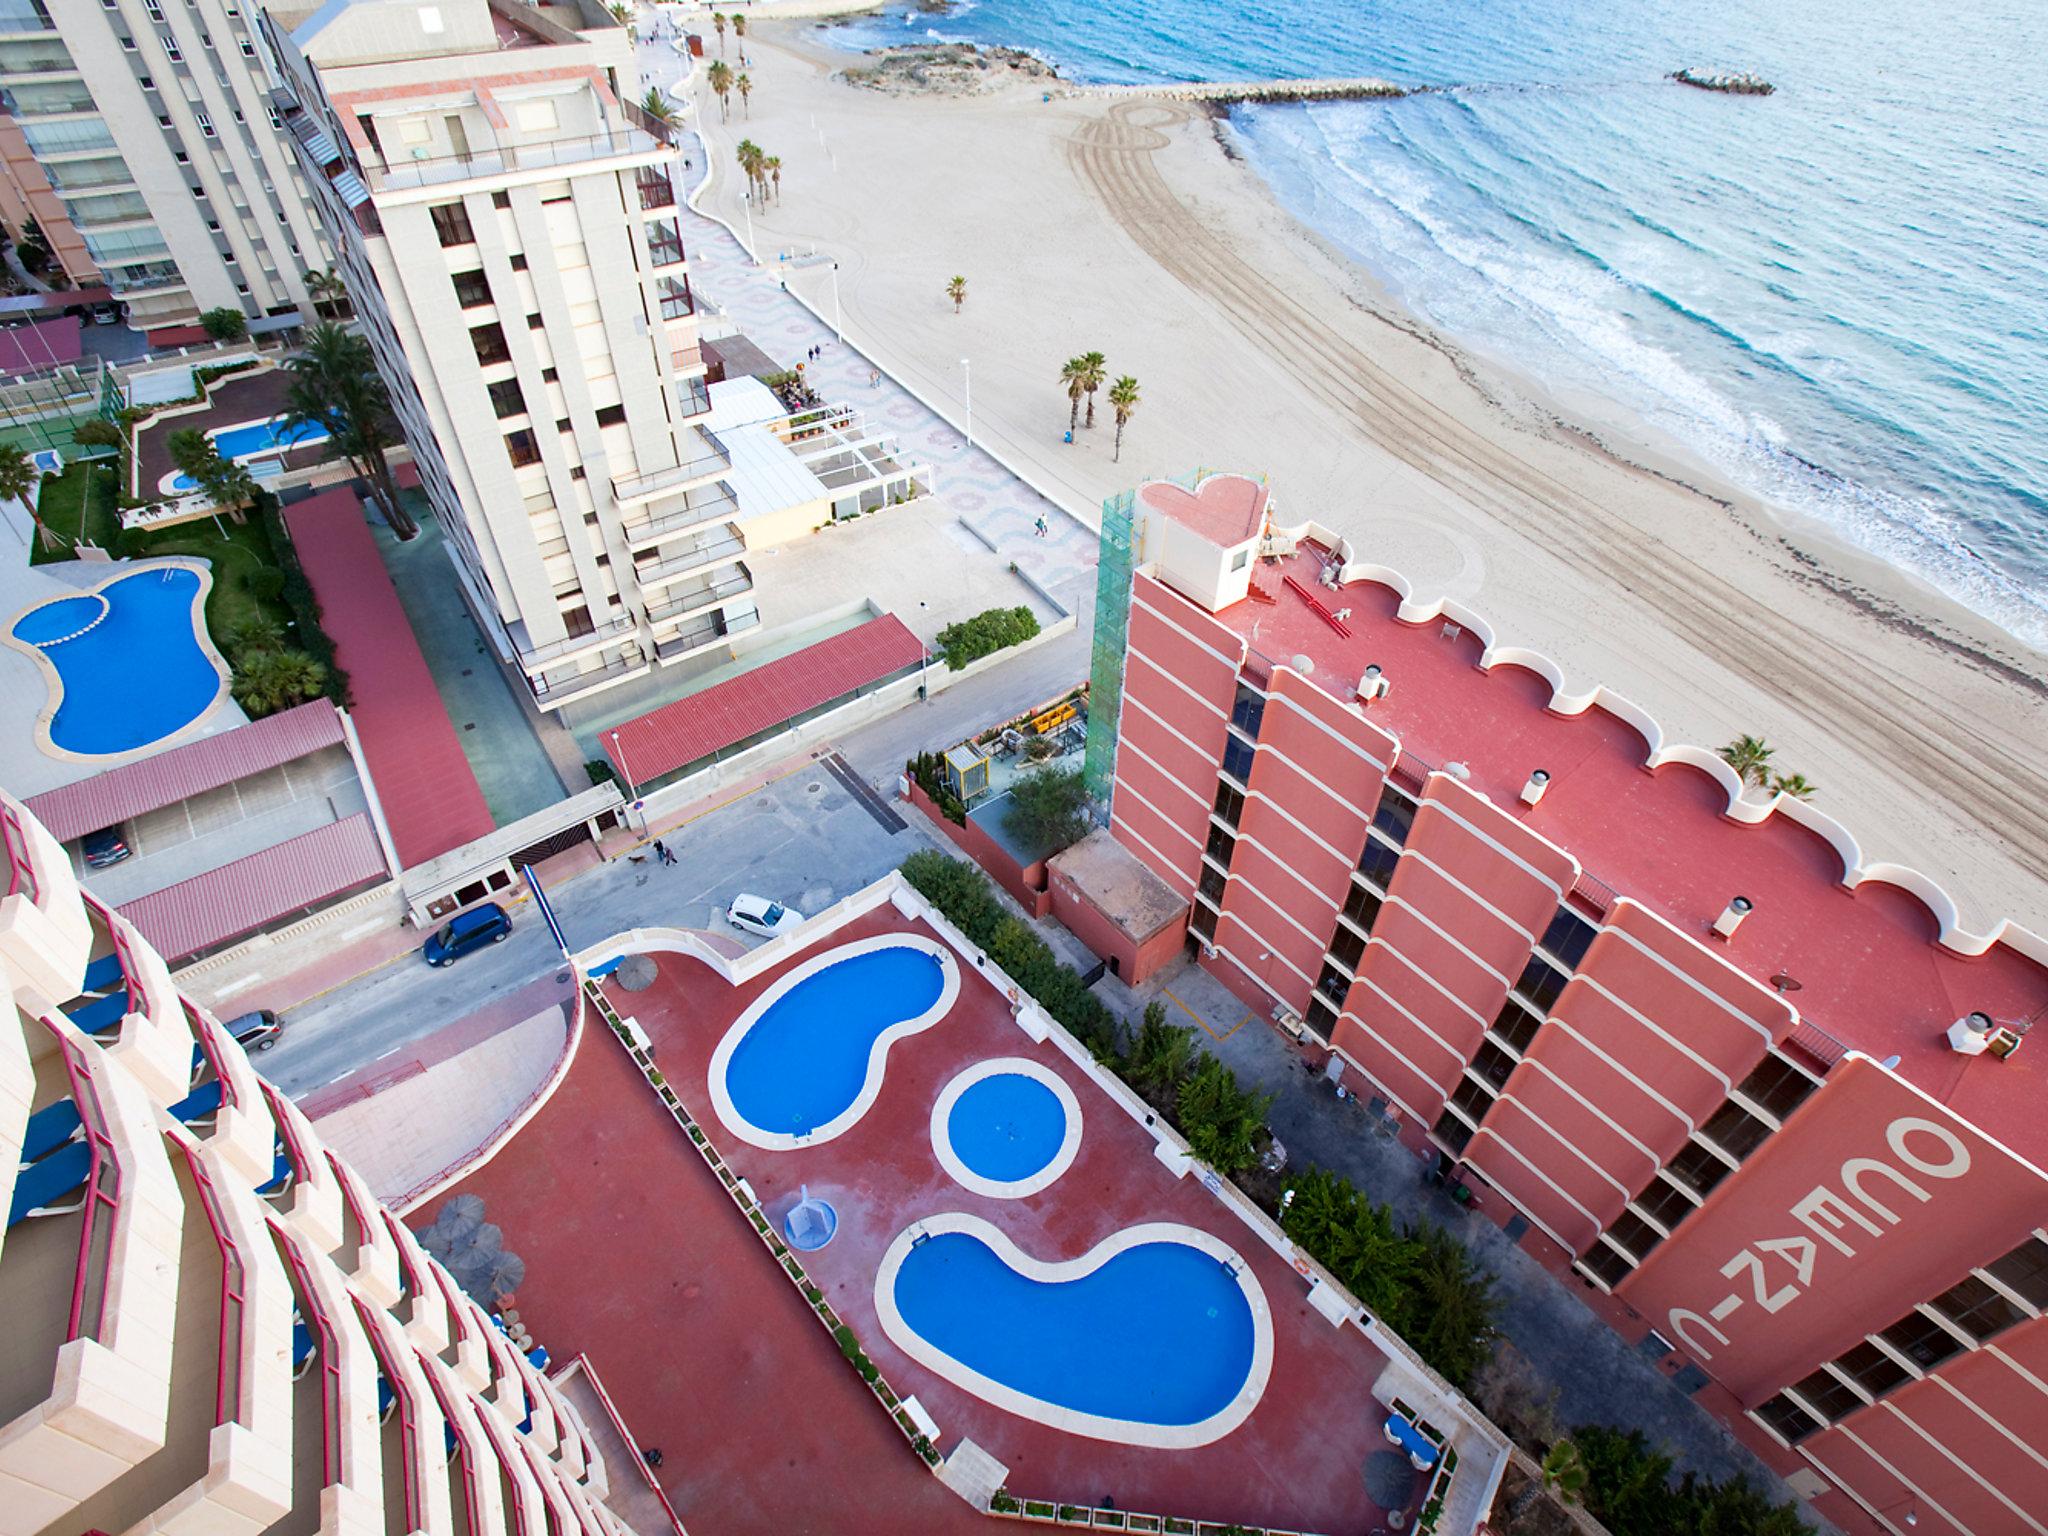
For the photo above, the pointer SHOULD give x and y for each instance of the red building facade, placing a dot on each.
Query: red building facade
(1763, 1098)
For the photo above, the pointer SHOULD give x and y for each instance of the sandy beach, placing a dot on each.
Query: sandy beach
(1124, 225)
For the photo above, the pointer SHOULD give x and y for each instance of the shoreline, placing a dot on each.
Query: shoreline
(1126, 225)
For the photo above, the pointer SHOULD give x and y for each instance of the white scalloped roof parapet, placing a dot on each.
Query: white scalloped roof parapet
(1855, 872)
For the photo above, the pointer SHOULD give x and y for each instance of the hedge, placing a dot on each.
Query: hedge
(298, 592)
(986, 633)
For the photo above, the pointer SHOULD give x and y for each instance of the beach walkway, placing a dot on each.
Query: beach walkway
(991, 500)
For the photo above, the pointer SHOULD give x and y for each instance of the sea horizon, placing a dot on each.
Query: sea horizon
(1821, 295)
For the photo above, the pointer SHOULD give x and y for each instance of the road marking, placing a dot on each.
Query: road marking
(392, 1052)
(1168, 992)
(243, 985)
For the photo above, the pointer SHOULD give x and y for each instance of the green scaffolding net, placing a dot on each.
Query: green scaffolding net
(1112, 624)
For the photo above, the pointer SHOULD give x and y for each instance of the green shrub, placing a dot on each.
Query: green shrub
(1002, 1503)
(986, 633)
(1628, 1489)
(843, 1336)
(927, 768)
(1221, 1120)
(600, 771)
(268, 585)
(225, 324)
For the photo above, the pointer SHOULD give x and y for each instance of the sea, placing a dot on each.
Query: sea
(1835, 296)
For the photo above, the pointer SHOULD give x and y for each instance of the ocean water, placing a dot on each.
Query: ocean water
(1836, 296)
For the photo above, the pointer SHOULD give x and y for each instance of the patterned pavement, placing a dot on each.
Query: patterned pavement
(988, 497)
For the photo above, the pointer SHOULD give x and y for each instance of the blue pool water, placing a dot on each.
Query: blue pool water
(1007, 1127)
(257, 437)
(137, 676)
(1159, 1334)
(801, 1064)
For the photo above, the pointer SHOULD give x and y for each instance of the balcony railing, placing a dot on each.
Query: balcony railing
(534, 658)
(646, 484)
(689, 599)
(502, 160)
(695, 558)
(657, 188)
(550, 688)
(705, 504)
(21, 869)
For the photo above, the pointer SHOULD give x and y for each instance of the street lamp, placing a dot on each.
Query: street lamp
(619, 751)
(968, 373)
(837, 329)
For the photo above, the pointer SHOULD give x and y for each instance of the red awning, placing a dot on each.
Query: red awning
(780, 690)
(423, 780)
(136, 788)
(237, 899)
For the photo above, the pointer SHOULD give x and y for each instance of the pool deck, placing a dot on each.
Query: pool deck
(236, 400)
(714, 1357)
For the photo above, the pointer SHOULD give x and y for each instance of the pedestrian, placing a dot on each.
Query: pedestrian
(661, 852)
(652, 1455)
(874, 378)
(1040, 525)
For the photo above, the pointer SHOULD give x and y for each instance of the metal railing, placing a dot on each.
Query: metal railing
(21, 869)
(545, 687)
(694, 558)
(644, 484)
(502, 160)
(704, 504)
(698, 597)
(554, 650)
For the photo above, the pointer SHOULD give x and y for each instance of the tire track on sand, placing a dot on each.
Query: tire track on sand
(1914, 739)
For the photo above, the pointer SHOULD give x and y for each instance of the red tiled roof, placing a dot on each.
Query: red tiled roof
(423, 781)
(149, 785)
(241, 897)
(727, 712)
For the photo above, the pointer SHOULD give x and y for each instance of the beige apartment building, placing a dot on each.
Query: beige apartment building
(506, 220)
(213, 1326)
(150, 122)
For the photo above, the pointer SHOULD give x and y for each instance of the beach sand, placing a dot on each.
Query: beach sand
(1120, 224)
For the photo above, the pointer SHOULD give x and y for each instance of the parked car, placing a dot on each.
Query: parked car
(256, 1031)
(487, 924)
(759, 915)
(104, 847)
(106, 314)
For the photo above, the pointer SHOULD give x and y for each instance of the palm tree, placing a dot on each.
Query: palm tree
(1750, 757)
(1797, 785)
(718, 22)
(745, 87)
(739, 31)
(18, 475)
(267, 681)
(956, 290)
(1072, 374)
(258, 632)
(334, 384)
(773, 167)
(229, 486)
(328, 293)
(656, 105)
(1123, 399)
(719, 78)
(749, 155)
(1564, 1471)
(1094, 371)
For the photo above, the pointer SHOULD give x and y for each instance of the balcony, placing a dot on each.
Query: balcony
(534, 659)
(657, 190)
(509, 159)
(700, 594)
(18, 16)
(690, 509)
(707, 551)
(645, 485)
(554, 689)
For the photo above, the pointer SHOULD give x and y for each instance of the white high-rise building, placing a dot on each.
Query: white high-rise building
(213, 1326)
(151, 121)
(506, 220)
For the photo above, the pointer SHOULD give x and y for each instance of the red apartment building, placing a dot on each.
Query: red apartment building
(1765, 1099)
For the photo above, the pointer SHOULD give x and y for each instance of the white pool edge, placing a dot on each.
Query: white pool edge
(878, 1052)
(1169, 1437)
(1005, 1189)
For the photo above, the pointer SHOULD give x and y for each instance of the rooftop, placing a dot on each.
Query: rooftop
(1228, 509)
(1869, 962)
(1121, 886)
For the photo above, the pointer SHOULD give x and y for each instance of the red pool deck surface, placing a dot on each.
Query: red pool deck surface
(636, 1256)
(428, 791)
(1870, 969)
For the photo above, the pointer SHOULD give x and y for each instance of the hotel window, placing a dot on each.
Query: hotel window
(535, 323)
(1362, 908)
(170, 46)
(656, 190)
(1378, 862)
(1203, 921)
(1237, 758)
(1321, 1019)
(1333, 984)
(506, 399)
(1541, 982)
(518, 260)
(1493, 1064)
(674, 294)
(1635, 1234)
(1395, 815)
(1775, 1086)
(1786, 1418)
(248, 48)
(1229, 804)
(205, 123)
(1977, 1309)
(1664, 1203)
(611, 416)
(1211, 883)
(1516, 1025)
(522, 447)
(1829, 1396)
(472, 289)
(1568, 937)
(451, 224)
(1347, 948)
(501, 199)
(1220, 845)
(1736, 1130)
(2024, 1272)
(1697, 1168)
(1872, 1369)
(489, 341)
(1607, 1263)
(664, 242)
(1248, 710)
(1922, 1340)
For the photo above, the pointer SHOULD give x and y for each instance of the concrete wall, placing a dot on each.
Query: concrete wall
(1026, 884)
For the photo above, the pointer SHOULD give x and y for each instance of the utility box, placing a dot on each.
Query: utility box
(967, 772)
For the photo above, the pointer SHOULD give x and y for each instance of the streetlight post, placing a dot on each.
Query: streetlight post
(619, 751)
(747, 202)
(837, 329)
(968, 374)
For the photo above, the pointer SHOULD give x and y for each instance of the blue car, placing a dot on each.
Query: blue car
(482, 925)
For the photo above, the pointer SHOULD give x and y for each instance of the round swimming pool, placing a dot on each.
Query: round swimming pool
(1006, 1127)
(130, 666)
(803, 1063)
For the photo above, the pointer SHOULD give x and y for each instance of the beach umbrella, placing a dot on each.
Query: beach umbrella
(462, 1215)
(1389, 1480)
(635, 973)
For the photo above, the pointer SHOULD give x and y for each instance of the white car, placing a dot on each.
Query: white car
(758, 915)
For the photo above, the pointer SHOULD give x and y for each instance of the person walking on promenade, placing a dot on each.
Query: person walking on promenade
(661, 852)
